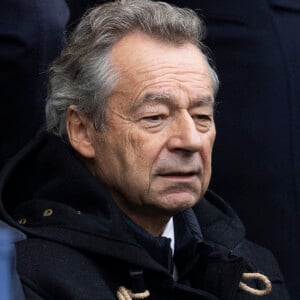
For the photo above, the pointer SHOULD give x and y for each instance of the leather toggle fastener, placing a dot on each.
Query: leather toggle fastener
(138, 290)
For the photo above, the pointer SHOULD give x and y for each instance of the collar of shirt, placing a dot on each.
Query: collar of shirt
(169, 233)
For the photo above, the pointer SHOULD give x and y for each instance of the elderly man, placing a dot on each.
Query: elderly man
(112, 200)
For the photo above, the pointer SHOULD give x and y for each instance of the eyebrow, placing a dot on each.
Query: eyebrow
(151, 97)
(203, 101)
(161, 98)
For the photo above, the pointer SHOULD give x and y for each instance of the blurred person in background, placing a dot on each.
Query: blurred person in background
(31, 36)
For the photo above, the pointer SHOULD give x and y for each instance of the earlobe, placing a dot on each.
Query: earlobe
(78, 128)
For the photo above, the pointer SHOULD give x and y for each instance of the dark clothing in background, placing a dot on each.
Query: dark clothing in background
(256, 161)
(79, 244)
(31, 36)
(78, 8)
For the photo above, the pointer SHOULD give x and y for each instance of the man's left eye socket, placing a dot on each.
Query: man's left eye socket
(153, 121)
(154, 118)
(203, 121)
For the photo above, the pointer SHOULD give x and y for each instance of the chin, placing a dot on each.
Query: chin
(178, 202)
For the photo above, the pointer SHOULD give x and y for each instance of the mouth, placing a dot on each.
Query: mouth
(192, 173)
(180, 175)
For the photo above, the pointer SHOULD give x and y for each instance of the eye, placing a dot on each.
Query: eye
(153, 121)
(203, 121)
(202, 117)
(153, 118)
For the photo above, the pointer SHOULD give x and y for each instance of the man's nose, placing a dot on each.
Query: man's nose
(184, 135)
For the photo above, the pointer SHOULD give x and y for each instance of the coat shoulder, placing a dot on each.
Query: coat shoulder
(49, 269)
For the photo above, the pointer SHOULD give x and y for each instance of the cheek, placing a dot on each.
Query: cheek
(208, 147)
(111, 156)
(213, 135)
(133, 145)
(210, 143)
(207, 160)
(132, 156)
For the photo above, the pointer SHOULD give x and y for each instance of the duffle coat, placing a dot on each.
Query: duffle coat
(80, 246)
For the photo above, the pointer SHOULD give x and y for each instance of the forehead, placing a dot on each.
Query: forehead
(148, 66)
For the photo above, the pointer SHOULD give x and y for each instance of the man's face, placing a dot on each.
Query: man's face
(155, 153)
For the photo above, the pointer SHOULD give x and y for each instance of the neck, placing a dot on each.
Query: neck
(152, 225)
(153, 221)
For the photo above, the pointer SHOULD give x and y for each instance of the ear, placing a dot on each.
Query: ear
(79, 132)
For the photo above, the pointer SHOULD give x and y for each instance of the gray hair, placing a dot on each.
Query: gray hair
(83, 77)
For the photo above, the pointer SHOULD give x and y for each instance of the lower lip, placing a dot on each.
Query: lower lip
(180, 178)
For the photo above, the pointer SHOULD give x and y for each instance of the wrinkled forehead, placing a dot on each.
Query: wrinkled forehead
(136, 52)
(147, 66)
(167, 98)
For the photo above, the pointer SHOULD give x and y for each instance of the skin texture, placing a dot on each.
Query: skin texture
(155, 153)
